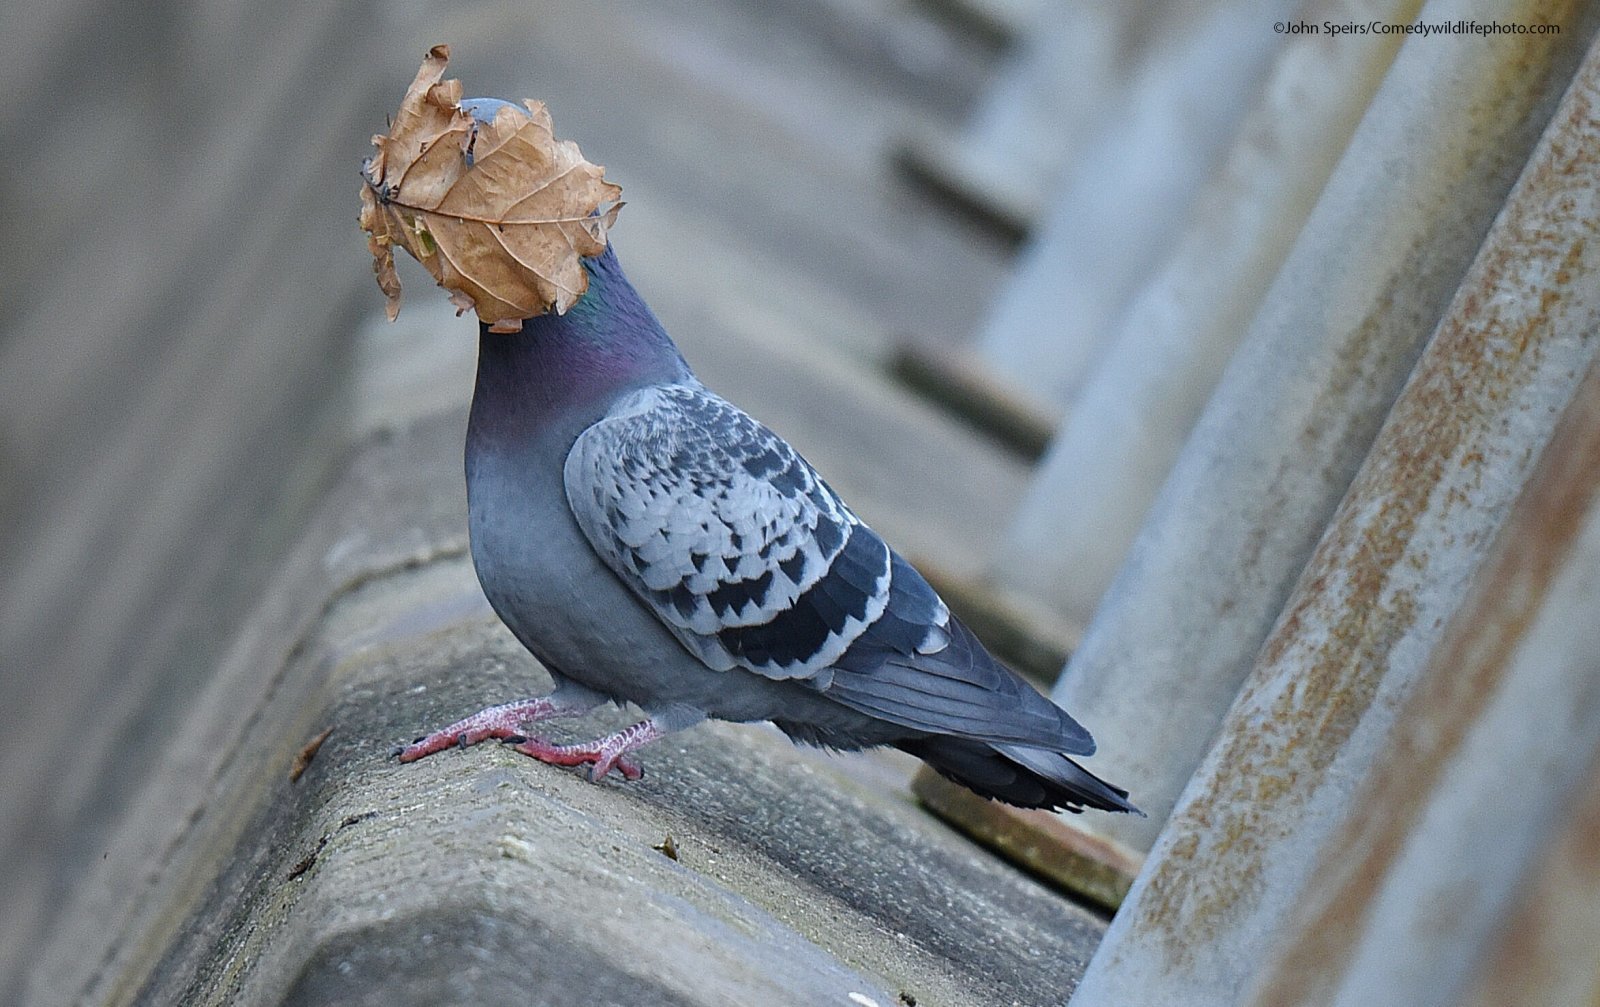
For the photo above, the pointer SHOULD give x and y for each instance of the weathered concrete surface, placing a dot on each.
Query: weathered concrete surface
(474, 873)
(1125, 193)
(179, 300)
(1544, 952)
(178, 290)
(778, 152)
(1298, 407)
(959, 381)
(1406, 905)
(1164, 355)
(1057, 82)
(1364, 622)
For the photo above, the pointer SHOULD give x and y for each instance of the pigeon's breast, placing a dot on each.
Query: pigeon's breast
(558, 598)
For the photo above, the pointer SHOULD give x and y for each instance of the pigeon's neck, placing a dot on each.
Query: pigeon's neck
(565, 368)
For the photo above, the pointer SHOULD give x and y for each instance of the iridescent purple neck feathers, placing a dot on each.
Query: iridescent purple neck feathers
(575, 364)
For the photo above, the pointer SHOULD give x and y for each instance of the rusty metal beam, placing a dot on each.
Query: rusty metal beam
(1499, 732)
(1368, 612)
(1053, 87)
(1138, 403)
(1543, 952)
(1126, 191)
(1301, 401)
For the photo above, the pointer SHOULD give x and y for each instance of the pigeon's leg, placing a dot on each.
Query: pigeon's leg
(610, 752)
(606, 754)
(504, 721)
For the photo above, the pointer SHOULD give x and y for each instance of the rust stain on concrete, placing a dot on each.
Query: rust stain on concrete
(1319, 671)
(1540, 945)
(1510, 310)
(1464, 674)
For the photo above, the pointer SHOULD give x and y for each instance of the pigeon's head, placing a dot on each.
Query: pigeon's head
(484, 110)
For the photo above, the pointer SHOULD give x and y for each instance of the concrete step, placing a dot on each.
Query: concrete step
(797, 878)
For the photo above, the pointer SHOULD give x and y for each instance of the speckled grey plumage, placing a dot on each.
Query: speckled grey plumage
(651, 543)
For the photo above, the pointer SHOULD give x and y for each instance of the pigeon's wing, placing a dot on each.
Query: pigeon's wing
(753, 562)
(726, 533)
(956, 687)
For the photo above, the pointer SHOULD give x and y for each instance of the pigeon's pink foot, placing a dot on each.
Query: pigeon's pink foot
(504, 721)
(606, 754)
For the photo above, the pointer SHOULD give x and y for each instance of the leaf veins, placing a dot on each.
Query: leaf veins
(500, 212)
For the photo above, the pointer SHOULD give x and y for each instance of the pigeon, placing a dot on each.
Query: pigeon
(650, 543)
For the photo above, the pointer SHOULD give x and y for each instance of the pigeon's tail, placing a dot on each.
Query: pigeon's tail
(1025, 777)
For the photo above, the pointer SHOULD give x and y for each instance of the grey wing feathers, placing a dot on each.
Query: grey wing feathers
(753, 562)
(726, 533)
(957, 689)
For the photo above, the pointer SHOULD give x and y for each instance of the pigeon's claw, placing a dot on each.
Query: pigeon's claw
(603, 755)
(580, 755)
(501, 721)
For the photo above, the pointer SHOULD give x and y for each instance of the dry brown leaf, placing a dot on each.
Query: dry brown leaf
(303, 761)
(499, 213)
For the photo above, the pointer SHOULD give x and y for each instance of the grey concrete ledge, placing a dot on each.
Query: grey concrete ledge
(481, 876)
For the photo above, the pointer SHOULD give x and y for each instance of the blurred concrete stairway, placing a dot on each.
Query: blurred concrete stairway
(767, 232)
(740, 870)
